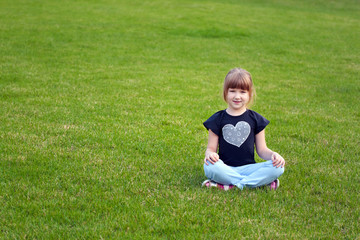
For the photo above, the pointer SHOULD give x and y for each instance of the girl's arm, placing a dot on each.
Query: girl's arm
(265, 153)
(210, 154)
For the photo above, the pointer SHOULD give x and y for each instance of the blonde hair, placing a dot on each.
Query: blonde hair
(241, 79)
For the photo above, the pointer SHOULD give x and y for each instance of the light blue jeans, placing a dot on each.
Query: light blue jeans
(251, 175)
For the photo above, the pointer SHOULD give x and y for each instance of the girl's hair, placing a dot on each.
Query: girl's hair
(241, 79)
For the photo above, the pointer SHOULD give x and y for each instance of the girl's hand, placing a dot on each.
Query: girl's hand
(278, 161)
(211, 157)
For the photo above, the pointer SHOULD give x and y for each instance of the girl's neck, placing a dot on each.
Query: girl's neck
(236, 112)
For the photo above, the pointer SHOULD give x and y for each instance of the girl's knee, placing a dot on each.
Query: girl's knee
(275, 171)
(278, 171)
(212, 169)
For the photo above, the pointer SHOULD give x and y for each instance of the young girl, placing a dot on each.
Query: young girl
(233, 132)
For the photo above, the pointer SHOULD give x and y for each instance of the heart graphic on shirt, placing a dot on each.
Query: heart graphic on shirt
(236, 135)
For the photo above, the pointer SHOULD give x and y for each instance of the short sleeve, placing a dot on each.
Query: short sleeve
(213, 123)
(261, 122)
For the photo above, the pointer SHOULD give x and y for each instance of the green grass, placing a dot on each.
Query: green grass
(102, 104)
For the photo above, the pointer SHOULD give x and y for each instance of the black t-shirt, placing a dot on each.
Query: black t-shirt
(236, 135)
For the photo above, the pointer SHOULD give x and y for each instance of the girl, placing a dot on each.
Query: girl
(234, 132)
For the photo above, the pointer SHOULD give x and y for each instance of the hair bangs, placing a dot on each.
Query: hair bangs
(239, 83)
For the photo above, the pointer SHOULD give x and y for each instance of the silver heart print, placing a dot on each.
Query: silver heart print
(236, 135)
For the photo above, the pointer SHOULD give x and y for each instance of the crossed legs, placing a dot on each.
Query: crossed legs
(251, 175)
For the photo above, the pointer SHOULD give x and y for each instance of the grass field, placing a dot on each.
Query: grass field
(102, 104)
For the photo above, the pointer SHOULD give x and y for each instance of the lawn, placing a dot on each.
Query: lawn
(102, 105)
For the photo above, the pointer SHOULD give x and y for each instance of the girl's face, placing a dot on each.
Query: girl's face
(237, 99)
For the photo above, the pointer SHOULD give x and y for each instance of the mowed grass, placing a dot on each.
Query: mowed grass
(102, 104)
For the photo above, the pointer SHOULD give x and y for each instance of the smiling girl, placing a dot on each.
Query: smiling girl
(233, 135)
